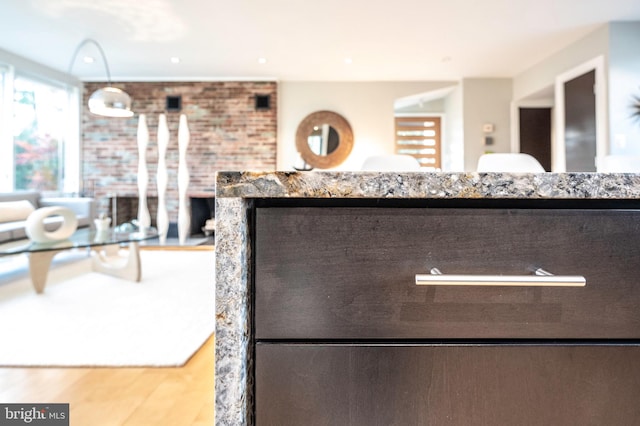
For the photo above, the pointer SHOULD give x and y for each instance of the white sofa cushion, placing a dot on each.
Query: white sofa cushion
(11, 211)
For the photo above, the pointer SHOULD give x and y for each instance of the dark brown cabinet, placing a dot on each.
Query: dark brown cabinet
(343, 335)
(412, 385)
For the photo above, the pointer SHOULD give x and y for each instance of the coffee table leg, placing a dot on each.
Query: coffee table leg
(39, 264)
(129, 270)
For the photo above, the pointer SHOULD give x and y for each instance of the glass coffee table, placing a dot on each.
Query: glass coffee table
(105, 244)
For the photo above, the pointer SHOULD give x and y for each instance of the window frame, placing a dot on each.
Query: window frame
(13, 66)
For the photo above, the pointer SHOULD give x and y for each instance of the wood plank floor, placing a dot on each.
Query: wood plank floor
(121, 396)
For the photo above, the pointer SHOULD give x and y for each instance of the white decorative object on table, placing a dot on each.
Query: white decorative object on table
(184, 221)
(144, 219)
(35, 224)
(162, 218)
(102, 223)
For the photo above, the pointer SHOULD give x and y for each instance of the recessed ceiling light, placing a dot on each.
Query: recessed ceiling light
(262, 60)
(175, 60)
(348, 60)
(88, 59)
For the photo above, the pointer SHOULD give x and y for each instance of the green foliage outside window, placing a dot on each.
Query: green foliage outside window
(36, 155)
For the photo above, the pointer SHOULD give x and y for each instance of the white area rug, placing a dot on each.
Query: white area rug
(84, 318)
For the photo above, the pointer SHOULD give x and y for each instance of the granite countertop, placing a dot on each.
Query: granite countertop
(427, 185)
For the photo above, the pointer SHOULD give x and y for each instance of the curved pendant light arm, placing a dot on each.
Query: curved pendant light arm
(104, 58)
(108, 101)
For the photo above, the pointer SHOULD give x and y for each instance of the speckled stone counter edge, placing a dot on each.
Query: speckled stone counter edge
(234, 191)
(233, 360)
(426, 185)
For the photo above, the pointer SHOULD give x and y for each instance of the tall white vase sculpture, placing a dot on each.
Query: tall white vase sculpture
(184, 220)
(162, 218)
(144, 219)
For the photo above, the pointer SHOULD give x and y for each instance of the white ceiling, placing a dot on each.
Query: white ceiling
(302, 39)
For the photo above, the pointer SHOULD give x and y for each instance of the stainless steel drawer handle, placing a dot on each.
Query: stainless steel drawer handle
(541, 278)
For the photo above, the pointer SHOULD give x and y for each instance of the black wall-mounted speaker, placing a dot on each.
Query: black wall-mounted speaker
(174, 103)
(263, 101)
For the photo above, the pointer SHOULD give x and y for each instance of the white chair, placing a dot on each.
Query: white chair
(509, 162)
(619, 164)
(390, 163)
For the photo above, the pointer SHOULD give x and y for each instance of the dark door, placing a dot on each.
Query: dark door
(580, 123)
(535, 134)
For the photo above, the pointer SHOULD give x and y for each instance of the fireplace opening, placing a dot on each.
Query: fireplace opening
(202, 209)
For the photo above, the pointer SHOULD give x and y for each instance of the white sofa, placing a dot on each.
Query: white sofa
(15, 207)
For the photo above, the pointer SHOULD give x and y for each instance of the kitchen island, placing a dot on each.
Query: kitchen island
(310, 307)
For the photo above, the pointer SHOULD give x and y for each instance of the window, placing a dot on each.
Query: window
(419, 137)
(39, 146)
(6, 144)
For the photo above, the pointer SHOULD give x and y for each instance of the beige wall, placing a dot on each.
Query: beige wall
(485, 101)
(624, 83)
(368, 106)
(617, 44)
(543, 75)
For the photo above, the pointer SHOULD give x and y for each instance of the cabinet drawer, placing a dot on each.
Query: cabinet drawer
(454, 385)
(349, 273)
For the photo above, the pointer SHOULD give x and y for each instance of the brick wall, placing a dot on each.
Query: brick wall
(227, 133)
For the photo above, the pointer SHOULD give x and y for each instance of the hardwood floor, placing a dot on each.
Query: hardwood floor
(121, 396)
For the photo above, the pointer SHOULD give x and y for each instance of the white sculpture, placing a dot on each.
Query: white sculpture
(144, 219)
(184, 221)
(162, 218)
(35, 224)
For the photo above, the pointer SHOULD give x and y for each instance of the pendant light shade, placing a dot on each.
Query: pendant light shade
(108, 101)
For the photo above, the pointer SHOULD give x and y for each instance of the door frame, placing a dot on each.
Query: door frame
(558, 154)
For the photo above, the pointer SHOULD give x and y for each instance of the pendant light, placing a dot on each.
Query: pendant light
(108, 101)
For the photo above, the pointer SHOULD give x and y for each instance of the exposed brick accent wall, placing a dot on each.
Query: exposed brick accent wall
(227, 133)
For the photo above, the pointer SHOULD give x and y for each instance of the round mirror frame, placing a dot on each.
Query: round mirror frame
(345, 135)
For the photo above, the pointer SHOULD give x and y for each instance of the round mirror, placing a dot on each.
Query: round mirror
(324, 139)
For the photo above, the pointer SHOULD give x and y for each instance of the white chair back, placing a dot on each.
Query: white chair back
(390, 163)
(619, 164)
(509, 162)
